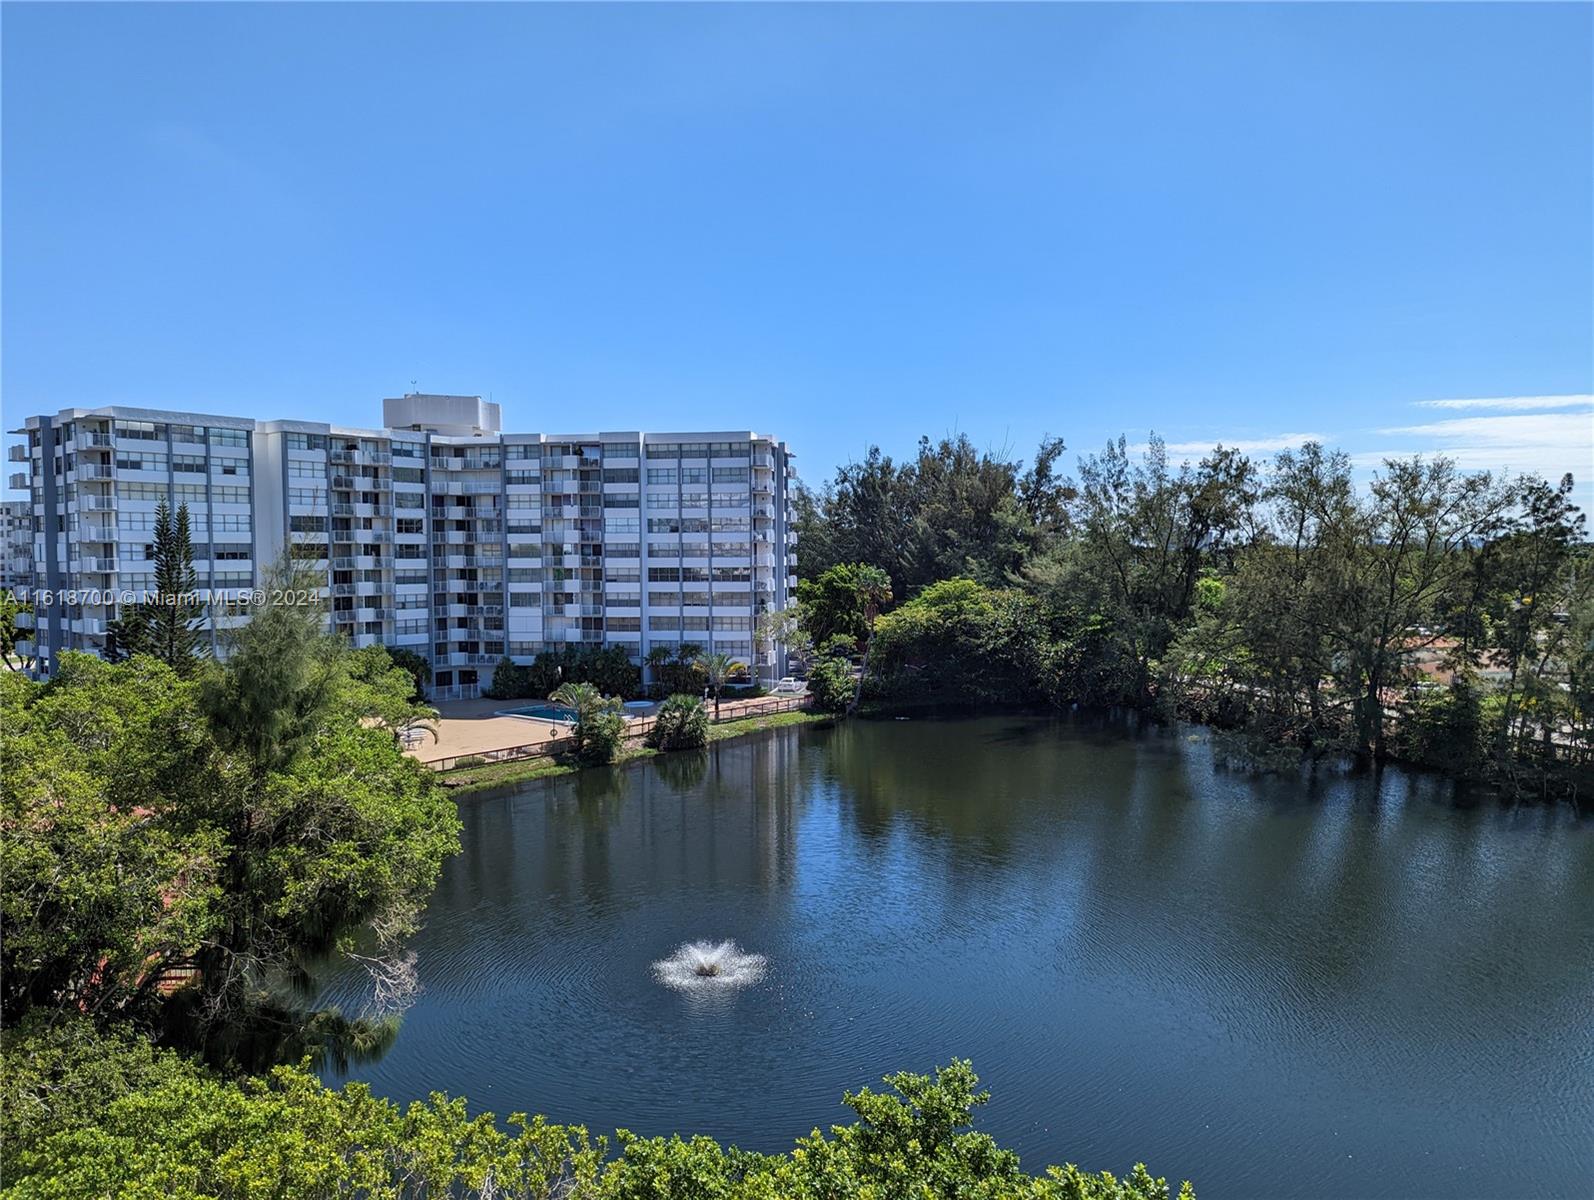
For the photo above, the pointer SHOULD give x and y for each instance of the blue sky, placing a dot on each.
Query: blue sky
(841, 224)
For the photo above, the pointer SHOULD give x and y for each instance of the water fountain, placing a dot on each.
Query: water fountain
(701, 966)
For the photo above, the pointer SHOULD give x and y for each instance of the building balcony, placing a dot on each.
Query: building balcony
(20, 480)
(97, 503)
(18, 453)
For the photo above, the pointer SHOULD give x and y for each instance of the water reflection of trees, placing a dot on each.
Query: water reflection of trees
(1321, 889)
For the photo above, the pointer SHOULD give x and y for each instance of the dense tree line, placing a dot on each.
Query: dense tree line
(1433, 614)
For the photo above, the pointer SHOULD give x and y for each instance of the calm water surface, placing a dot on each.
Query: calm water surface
(1320, 986)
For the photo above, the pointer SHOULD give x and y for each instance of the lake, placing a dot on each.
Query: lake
(1325, 985)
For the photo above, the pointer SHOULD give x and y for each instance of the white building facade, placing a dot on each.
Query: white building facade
(16, 546)
(438, 533)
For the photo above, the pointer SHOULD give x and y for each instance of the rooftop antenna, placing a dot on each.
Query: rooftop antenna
(413, 390)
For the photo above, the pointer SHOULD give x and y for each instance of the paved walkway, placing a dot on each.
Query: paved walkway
(473, 726)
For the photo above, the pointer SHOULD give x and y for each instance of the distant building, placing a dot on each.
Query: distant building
(16, 546)
(438, 532)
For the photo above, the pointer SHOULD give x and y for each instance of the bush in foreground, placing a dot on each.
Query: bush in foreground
(86, 1116)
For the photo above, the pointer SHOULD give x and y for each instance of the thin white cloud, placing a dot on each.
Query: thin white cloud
(1513, 403)
(1548, 443)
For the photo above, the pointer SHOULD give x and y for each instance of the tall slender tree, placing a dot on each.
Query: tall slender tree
(718, 670)
(169, 624)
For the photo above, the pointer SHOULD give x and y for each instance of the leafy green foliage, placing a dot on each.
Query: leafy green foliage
(177, 852)
(599, 729)
(949, 511)
(680, 724)
(837, 603)
(110, 878)
(674, 668)
(960, 642)
(718, 670)
(86, 1116)
(419, 669)
(607, 668)
(830, 683)
(10, 632)
(167, 625)
(1278, 601)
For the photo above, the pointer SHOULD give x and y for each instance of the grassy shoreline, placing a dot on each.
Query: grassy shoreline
(466, 780)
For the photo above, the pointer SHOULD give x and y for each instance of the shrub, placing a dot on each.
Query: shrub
(599, 728)
(681, 723)
(607, 668)
(86, 1116)
(830, 683)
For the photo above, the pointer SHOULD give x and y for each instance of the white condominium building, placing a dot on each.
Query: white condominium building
(438, 533)
(16, 545)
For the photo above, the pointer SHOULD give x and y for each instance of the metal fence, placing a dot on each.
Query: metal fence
(636, 729)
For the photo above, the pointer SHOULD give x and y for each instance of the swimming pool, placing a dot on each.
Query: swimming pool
(541, 712)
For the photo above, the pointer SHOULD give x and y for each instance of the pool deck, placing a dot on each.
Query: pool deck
(474, 726)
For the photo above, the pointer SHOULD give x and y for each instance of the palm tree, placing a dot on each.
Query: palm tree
(581, 698)
(874, 588)
(658, 662)
(599, 728)
(718, 670)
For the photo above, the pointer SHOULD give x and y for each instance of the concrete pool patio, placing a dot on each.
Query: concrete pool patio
(475, 726)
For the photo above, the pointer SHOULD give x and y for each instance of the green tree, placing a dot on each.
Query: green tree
(680, 724)
(168, 624)
(598, 729)
(420, 670)
(783, 627)
(1394, 575)
(386, 692)
(91, 1116)
(837, 602)
(11, 633)
(1528, 575)
(332, 837)
(959, 642)
(718, 670)
(111, 879)
(830, 683)
(674, 667)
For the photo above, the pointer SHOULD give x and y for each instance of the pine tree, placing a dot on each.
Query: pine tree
(166, 626)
